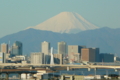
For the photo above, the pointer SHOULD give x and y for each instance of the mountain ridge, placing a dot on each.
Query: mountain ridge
(106, 39)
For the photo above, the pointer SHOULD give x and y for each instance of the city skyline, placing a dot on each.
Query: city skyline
(25, 51)
(23, 14)
(46, 48)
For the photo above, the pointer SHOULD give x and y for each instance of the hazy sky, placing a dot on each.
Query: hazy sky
(16, 15)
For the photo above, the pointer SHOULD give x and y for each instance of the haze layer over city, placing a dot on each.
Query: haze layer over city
(66, 34)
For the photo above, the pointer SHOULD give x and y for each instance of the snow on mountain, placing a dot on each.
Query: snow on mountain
(66, 22)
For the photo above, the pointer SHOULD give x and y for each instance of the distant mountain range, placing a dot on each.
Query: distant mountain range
(66, 22)
(56, 29)
(107, 39)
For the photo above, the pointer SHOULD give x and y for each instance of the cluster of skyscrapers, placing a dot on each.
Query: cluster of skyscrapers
(65, 54)
(7, 51)
(46, 54)
(71, 54)
(16, 48)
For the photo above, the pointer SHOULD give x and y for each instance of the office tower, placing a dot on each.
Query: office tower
(2, 57)
(73, 52)
(37, 58)
(58, 58)
(62, 48)
(88, 54)
(4, 48)
(17, 48)
(106, 57)
(45, 48)
(96, 54)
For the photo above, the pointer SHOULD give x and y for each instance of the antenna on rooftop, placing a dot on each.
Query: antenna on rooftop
(9, 46)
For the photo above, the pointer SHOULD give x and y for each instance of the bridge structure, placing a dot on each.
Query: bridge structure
(61, 66)
(8, 68)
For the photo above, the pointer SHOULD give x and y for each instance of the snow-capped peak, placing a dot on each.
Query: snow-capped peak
(66, 22)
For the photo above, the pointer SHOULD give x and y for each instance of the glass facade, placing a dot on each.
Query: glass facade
(17, 48)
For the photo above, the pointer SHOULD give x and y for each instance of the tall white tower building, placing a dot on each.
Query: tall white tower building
(45, 48)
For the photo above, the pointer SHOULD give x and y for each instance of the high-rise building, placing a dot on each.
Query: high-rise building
(2, 57)
(17, 48)
(88, 54)
(37, 58)
(97, 56)
(4, 48)
(45, 48)
(74, 51)
(62, 48)
(58, 58)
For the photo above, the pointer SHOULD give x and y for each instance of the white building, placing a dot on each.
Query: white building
(25, 76)
(21, 57)
(45, 48)
(37, 58)
(116, 59)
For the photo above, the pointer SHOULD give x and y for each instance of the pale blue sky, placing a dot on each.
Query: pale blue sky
(16, 15)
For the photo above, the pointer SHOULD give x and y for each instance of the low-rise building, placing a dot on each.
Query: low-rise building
(37, 58)
(106, 57)
(72, 77)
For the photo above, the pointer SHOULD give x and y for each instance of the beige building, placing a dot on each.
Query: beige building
(58, 58)
(88, 54)
(72, 77)
(74, 53)
(37, 58)
(4, 48)
(45, 48)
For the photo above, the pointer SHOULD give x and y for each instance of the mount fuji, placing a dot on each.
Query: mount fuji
(65, 22)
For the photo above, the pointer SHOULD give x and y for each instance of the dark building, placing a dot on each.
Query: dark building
(58, 58)
(90, 54)
(106, 57)
(96, 54)
(17, 48)
(50, 76)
